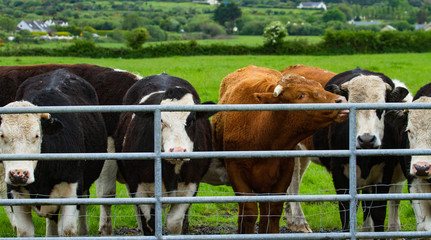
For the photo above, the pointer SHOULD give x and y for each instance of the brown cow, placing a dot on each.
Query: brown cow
(267, 130)
(293, 213)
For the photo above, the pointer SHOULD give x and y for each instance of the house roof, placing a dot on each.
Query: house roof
(34, 26)
(364, 23)
(311, 4)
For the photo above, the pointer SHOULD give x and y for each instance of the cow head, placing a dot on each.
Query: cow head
(418, 129)
(294, 88)
(179, 129)
(369, 89)
(22, 134)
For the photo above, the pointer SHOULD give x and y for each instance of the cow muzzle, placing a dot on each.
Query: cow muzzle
(421, 169)
(19, 177)
(177, 150)
(367, 141)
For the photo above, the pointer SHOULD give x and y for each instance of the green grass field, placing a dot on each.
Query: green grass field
(206, 73)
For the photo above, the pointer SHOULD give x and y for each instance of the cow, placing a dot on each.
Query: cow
(110, 85)
(52, 133)
(180, 132)
(416, 129)
(375, 174)
(293, 213)
(267, 130)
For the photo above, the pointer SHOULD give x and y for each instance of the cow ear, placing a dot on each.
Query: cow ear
(266, 98)
(206, 114)
(397, 95)
(51, 126)
(333, 88)
(399, 117)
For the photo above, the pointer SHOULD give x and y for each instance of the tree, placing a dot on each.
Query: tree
(226, 15)
(334, 15)
(132, 21)
(7, 24)
(274, 33)
(348, 12)
(137, 37)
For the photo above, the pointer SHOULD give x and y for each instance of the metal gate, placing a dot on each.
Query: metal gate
(157, 155)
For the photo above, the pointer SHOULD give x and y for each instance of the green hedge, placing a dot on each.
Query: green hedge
(334, 42)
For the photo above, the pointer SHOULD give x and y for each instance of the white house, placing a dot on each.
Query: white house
(61, 23)
(33, 26)
(312, 5)
(210, 2)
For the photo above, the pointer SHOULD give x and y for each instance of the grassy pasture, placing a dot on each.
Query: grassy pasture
(205, 73)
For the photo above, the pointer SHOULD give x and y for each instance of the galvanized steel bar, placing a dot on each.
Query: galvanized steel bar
(232, 154)
(215, 107)
(352, 173)
(158, 173)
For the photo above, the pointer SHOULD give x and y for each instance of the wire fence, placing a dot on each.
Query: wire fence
(353, 197)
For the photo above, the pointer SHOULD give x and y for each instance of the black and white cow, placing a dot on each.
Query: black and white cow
(52, 133)
(181, 132)
(373, 131)
(417, 126)
(110, 85)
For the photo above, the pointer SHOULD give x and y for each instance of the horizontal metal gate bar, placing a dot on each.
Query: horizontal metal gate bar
(158, 155)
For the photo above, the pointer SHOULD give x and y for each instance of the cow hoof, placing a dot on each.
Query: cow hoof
(299, 228)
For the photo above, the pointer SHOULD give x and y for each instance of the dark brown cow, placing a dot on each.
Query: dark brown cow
(267, 130)
(110, 85)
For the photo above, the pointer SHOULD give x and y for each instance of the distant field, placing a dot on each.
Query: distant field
(205, 73)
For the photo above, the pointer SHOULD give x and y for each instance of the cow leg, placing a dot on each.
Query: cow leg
(293, 213)
(270, 214)
(3, 193)
(341, 184)
(247, 212)
(378, 208)
(106, 188)
(67, 225)
(422, 208)
(368, 224)
(82, 222)
(176, 215)
(394, 223)
(52, 226)
(24, 222)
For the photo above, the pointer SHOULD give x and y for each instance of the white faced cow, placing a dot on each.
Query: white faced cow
(52, 133)
(181, 132)
(110, 85)
(417, 126)
(374, 174)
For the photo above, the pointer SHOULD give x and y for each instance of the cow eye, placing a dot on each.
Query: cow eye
(36, 137)
(409, 132)
(2, 136)
(301, 96)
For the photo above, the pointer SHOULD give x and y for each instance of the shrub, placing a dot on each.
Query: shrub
(137, 37)
(274, 33)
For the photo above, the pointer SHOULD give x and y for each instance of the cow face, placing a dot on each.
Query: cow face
(22, 134)
(369, 89)
(418, 129)
(178, 128)
(294, 88)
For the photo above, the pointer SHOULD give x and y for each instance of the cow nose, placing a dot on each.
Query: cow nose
(341, 100)
(421, 169)
(367, 141)
(177, 149)
(19, 176)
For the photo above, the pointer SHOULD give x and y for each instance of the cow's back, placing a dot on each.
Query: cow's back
(311, 73)
(110, 84)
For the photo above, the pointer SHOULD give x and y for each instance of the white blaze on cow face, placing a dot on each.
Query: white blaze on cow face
(174, 134)
(20, 134)
(419, 133)
(369, 124)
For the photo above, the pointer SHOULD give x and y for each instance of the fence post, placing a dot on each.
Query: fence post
(158, 172)
(352, 172)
